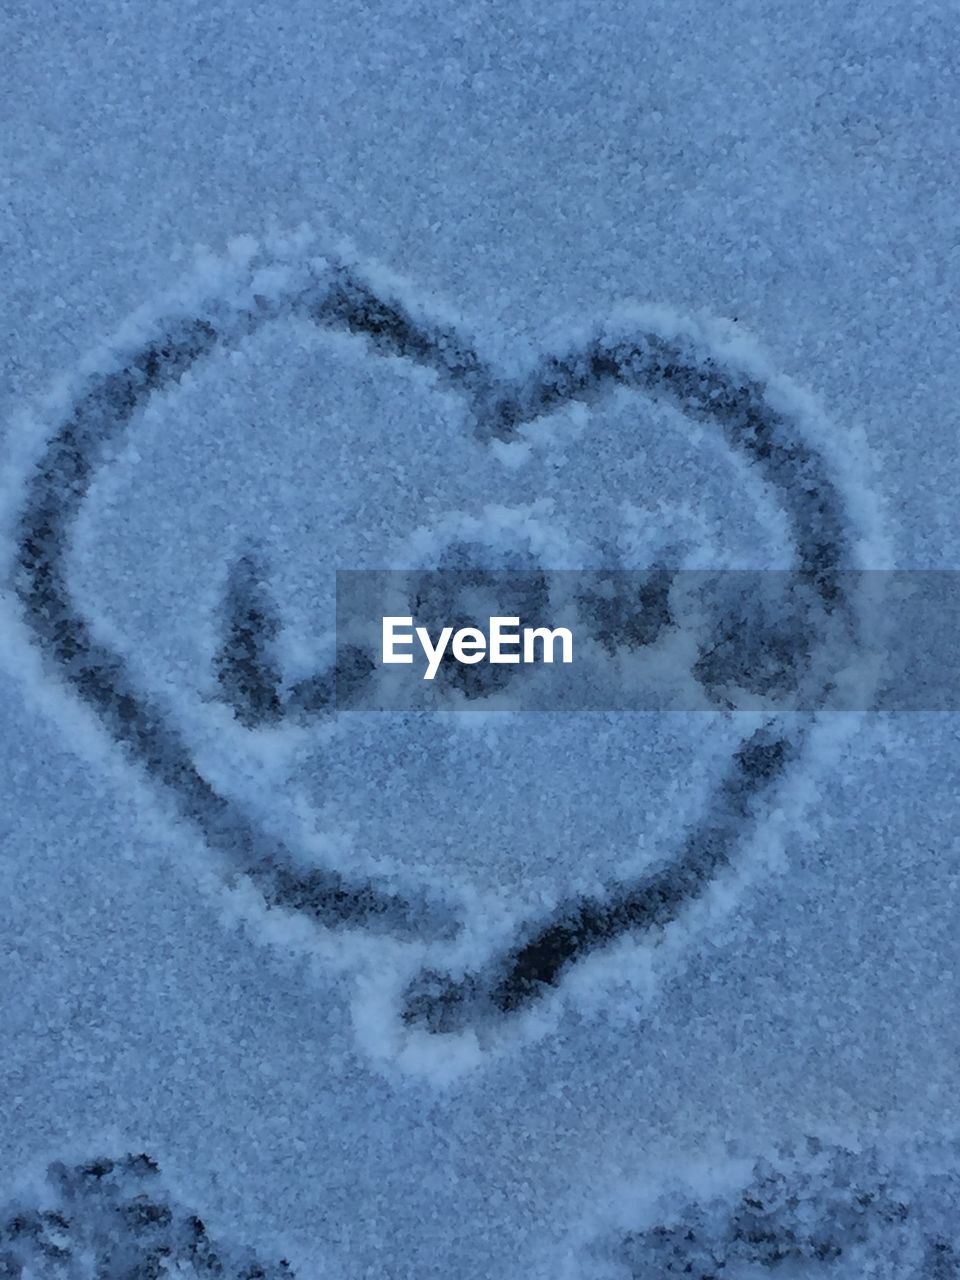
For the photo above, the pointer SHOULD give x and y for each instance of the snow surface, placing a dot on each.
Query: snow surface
(770, 186)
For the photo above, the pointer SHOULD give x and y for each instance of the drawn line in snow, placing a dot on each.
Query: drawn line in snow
(441, 1004)
(674, 369)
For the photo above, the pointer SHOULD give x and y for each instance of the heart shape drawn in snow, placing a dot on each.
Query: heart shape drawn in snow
(449, 975)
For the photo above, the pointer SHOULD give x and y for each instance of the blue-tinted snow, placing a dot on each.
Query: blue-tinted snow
(521, 168)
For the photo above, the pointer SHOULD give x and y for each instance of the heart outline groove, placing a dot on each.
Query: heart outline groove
(677, 368)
